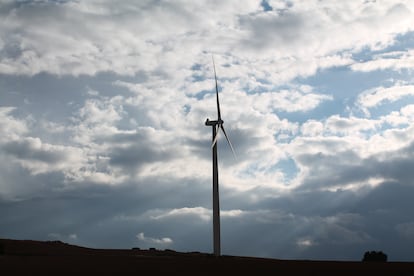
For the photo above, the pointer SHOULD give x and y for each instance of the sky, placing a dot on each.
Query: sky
(103, 142)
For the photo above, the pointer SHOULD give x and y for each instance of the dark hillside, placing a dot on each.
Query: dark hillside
(57, 258)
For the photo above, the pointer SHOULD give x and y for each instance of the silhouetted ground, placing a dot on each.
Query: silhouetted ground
(57, 258)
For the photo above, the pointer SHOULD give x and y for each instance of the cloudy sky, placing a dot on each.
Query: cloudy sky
(103, 142)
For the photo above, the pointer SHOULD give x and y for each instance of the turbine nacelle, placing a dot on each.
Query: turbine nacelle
(217, 125)
(213, 122)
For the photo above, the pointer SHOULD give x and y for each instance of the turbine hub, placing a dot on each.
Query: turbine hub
(213, 122)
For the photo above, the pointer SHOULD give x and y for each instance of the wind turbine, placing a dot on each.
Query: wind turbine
(216, 125)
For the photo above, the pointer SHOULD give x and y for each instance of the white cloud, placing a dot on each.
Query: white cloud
(172, 36)
(199, 212)
(76, 163)
(380, 95)
(358, 186)
(155, 241)
(304, 243)
(393, 60)
(312, 128)
(231, 213)
(288, 100)
(32, 153)
(331, 150)
(11, 126)
(40, 157)
(353, 126)
(401, 118)
(98, 112)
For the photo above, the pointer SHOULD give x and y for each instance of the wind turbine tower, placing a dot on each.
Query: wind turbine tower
(216, 125)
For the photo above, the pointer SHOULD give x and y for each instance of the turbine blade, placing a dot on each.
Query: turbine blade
(228, 140)
(215, 138)
(217, 95)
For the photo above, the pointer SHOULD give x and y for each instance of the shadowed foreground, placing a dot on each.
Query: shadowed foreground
(57, 258)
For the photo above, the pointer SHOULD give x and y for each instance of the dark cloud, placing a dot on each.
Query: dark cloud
(347, 167)
(270, 29)
(103, 216)
(131, 151)
(137, 155)
(303, 225)
(31, 150)
(326, 225)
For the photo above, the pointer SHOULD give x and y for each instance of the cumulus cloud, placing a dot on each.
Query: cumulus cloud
(84, 48)
(289, 101)
(380, 95)
(160, 242)
(11, 126)
(392, 60)
(39, 157)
